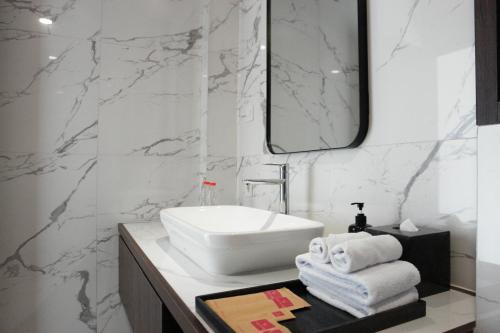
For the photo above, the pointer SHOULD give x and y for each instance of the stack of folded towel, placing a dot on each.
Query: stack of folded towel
(358, 273)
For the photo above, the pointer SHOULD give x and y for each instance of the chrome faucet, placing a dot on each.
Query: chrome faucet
(282, 182)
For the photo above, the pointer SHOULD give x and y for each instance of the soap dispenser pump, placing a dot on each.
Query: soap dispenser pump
(360, 224)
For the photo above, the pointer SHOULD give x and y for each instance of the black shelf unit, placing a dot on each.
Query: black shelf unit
(486, 13)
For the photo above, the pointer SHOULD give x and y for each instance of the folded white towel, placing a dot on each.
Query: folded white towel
(338, 297)
(361, 311)
(319, 246)
(357, 254)
(368, 286)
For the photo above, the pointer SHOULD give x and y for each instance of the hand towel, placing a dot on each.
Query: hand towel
(319, 247)
(361, 311)
(357, 254)
(368, 286)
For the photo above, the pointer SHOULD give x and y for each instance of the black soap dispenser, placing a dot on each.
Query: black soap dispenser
(360, 224)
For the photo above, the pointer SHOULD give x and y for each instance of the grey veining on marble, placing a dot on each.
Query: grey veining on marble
(44, 272)
(48, 169)
(159, 76)
(72, 18)
(62, 91)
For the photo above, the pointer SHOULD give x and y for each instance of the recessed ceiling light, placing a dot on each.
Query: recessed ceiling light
(263, 47)
(45, 20)
(335, 71)
(52, 57)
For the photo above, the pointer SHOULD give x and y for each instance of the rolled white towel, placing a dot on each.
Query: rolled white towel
(368, 286)
(359, 310)
(319, 246)
(357, 254)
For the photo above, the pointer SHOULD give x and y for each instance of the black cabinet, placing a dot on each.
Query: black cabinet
(145, 310)
(487, 73)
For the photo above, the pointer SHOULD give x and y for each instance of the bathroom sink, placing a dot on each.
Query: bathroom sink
(235, 239)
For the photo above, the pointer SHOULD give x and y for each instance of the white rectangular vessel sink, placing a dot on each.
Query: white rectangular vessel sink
(235, 239)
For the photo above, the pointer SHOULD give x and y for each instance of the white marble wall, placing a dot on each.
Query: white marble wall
(139, 104)
(221, 100)
(149, 126)
(48, 165)
(134, 110)
(99, 124)
(488, 247)
(419, 159)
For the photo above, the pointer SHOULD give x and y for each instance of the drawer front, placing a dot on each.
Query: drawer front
(143, 306)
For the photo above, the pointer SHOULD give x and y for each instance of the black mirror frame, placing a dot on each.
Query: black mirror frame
(364, 98)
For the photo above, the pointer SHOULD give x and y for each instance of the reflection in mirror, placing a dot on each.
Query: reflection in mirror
(317, 75)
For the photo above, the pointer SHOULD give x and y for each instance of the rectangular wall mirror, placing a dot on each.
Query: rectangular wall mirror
(317, 75)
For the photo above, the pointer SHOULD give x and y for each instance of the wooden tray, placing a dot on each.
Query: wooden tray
(320, 317)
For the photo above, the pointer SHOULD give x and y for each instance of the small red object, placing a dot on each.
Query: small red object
(272, 294)
(278, 314)
(262, 324)
(282, 302)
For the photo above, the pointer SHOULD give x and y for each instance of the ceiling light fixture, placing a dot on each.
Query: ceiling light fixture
(45, 20)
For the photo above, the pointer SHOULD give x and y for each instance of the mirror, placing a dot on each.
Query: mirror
(317, 75)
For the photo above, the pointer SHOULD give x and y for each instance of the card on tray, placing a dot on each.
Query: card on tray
(244, 313)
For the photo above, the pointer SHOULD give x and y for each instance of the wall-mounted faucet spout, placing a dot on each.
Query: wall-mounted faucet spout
(282, 182)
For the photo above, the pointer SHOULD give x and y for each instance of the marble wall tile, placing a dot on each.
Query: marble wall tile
(72, 18)
(219, 97)
(223, 24)
(131, 189)
(111, 316)
(251, 78)
(422, 70)
(162, 182)
(160, 68)
(222, 102)
(487, 296)
(488, 190)
(48, 103)
(150, 126)
(488, 248)
(48, 165)
(48, 244)
(143, 22)
(144, 74)
(156, 124)
(222, 170)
